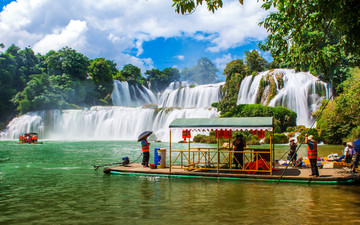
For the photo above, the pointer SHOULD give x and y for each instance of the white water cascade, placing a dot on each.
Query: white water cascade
(138, 109)
(127, 120)
(300, 92)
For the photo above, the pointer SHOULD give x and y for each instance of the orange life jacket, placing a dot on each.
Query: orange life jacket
(145, 148)
(312, 153)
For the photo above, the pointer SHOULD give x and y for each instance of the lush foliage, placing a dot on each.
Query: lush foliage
(62, 79)
(186, 6)
(235, 72)
(341, 118)
(204, 72)
(255, 62)
(283, 117)
(318, 35)
(159, 80)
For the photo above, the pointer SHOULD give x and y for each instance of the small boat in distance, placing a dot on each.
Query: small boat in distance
(29, 138)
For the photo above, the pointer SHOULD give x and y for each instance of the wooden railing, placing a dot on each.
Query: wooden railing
(208, 159)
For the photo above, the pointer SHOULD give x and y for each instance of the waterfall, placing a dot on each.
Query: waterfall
(187, 97)
(176, 95)
(126, 94)
(300, 92)
(138, 109)
(102, 123)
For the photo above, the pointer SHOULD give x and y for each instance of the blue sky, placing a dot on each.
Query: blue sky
(145, 33)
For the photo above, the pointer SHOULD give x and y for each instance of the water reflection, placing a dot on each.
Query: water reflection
(55, 184)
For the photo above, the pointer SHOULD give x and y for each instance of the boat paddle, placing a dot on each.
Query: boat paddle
(302, 143)
(123, 163)
(97, 167)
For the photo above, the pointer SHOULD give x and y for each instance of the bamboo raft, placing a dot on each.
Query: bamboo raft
(292, 175)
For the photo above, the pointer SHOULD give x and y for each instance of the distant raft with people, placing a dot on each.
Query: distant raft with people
(29, 138)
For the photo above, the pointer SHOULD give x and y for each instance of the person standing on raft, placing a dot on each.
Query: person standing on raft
(312, 154)
(292, 154)
(146, 152)
(239, 145)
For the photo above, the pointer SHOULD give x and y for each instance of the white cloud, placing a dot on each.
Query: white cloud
(180, 57)
(118, 29)
(223, 61)
(73, 35)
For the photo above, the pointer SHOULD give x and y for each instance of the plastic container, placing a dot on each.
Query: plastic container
(162, 154)
(152, 166)
(156, 156)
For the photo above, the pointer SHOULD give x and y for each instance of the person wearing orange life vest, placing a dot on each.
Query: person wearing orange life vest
(312, 154)
(146, 152)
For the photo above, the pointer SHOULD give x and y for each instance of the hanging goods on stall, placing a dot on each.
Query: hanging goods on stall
(186, 134)
(227, 134)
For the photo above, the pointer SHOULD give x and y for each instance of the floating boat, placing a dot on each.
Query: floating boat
(217, 163)
(29, 138)
(291, 175)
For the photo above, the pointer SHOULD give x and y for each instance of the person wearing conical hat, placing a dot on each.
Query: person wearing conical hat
(312, 154)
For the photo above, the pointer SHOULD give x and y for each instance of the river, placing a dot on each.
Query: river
(56, 183)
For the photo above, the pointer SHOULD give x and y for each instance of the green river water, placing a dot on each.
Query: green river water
(55, 183)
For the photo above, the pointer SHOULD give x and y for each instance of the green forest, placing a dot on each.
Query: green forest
(67, 79)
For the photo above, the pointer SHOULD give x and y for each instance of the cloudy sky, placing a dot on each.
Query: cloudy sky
(145, 33)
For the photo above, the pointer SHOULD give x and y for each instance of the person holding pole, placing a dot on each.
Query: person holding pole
(145, 151)
(312, 154)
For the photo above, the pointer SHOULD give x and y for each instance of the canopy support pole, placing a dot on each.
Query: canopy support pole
(189, 162)
(218, 156)
(170, 151)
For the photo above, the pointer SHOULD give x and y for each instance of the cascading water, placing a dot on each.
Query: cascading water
(188, 97)
(125, 94)
(138, 109)
(126, 120)
(102, 123)
(300, 92)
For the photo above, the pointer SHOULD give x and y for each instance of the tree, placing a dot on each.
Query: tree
(317, 35)
(188, 6)
(67, 61)
(255, 61)
(235, 71)
(160, 80)
(235, 67)
(341, 116)
(101, 72)
(283, 117)
(132, 73)
(204, 72)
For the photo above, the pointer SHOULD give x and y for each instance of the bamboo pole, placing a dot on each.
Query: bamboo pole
(218, 156)
(170, 151)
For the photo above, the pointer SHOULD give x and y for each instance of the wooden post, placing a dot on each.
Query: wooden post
(189, 163)
(170, 151)
(218, 156)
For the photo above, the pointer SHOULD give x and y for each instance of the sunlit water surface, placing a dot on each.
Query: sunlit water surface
(55, 183)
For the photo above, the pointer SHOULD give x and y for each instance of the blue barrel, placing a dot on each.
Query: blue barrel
(157, 157)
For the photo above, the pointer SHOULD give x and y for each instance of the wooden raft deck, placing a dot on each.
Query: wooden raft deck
(296, 175)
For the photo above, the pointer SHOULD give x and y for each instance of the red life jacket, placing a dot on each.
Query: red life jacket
(312, 153)
(145, 148)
